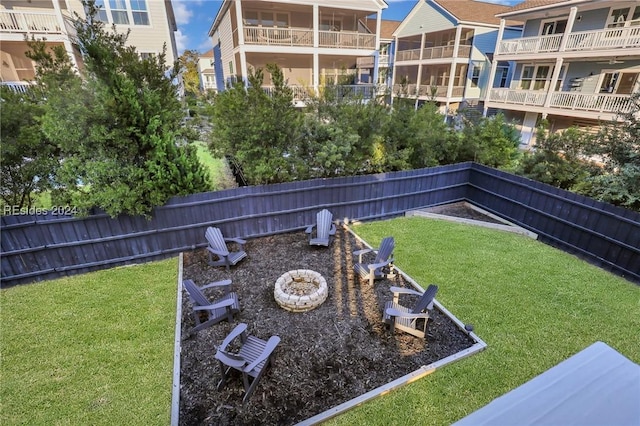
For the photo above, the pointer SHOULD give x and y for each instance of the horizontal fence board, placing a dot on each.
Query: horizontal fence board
(45, 247)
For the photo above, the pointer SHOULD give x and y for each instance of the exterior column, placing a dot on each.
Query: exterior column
(418, 82)
(243, 58)
(494, 65)
(316, 44)
(376, 56)
(393, 69)
(559, 60)
(454, 62)
(567, 31)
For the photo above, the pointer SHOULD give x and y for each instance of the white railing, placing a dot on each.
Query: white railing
(591, 102)
(17, 86)
(611, 38)
(440, 91)
(278, 36)
(521, 97)
(550, 43)
(368, 61)
(408, 55)
(347, 39)
(300, 93)
(29, 22)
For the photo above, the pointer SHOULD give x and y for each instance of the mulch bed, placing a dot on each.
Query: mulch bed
(326, 356)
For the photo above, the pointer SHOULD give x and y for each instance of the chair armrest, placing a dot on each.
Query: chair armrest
(268, 349)
(359, 253)
(309, 229)
(218, 252)
(222, 304)
(236, 240)
(237, 331)
(374, 266)
(392, 312)
(230, 359)
(402, 290)
(216, 284)
(332, 231)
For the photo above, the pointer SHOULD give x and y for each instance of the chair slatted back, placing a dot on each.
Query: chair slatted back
(216, 240)
(386, 250)
(425, 299)
(195, 293)
(323, 222)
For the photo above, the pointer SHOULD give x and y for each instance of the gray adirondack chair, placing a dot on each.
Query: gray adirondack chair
(381, 267)
(410, 320)
(219, 254)
(213, 312)
(325, 228)
(252, 359)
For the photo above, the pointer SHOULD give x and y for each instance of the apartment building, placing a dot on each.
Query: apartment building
(577, 63)
(206, 72)
(151, 24)
(444, 52)
(314, 42)
(380, 64)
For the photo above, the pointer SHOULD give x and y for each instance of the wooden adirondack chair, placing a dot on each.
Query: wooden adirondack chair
(252, 359)
(410, 320)
(218, 248)
(381, 267)
(325, 228)
(214, 312)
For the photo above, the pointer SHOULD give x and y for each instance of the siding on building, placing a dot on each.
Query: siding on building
(151, 38)
(425, 19)
(226, 47)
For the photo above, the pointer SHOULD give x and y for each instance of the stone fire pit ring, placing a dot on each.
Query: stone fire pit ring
(300, 290)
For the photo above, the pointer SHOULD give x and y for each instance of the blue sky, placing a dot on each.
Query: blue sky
(194, 18)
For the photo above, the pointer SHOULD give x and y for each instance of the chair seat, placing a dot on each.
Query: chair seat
(237, 256)
(250, 351)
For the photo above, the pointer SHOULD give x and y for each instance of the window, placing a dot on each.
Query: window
(254, 18)
(146, 55)
(609, 81)
(119, 12)
(624, 17)
(139, 12)
(123, 12)
(330, 24)
(527, 77)
(553, 27)
(475, 76)
(535, 77)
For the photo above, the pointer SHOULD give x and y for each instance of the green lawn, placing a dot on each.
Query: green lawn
(533, 305)
(215, 166)
(92, 349)
(97, 348)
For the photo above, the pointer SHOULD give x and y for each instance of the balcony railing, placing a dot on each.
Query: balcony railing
(594, 102)
(17, 86)
(29, 22)
(429, 91)
(611, 38)
(302, 93)
(278, 36)
(347, 39)
(368, 61)
(433, 53)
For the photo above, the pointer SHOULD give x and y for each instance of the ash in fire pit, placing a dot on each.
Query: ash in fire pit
(300, 290)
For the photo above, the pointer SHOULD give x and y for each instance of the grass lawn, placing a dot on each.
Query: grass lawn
(92, 349)
(533, 305)
(215, 166)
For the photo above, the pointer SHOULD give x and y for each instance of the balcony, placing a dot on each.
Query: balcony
(301, 37)
(17, 86)
(438, 52)
(303, 94)
(611, 38)
(368, 61)
(29, 22)
(566, 101)
(429, 91)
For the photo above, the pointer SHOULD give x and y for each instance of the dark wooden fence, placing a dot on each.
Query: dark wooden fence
(39, 247)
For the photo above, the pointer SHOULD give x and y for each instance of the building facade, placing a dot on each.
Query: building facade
(444, 51)
(577, 63)
(206, 72)
(382, 63)
(315, 43)
(151, 23)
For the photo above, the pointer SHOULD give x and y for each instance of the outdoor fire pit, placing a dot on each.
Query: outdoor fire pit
(300, 290)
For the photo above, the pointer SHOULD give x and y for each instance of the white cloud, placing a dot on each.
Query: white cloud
(182, 41)
(182, 13)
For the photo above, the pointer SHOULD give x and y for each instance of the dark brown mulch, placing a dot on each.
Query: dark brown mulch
(326, 356)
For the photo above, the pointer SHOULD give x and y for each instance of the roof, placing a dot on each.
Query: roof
(474, 11)
(208, 54)
(387, 27)
(596, 386)
(530, 4)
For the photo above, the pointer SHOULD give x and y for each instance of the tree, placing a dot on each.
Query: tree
(120, 131)
(487, 140)
(260, 130)
(190, 77)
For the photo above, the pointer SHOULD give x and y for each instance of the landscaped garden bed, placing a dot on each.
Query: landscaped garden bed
(327, 356)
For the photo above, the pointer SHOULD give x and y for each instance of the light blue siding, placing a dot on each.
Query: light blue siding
(591, 20)
(426, 18)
